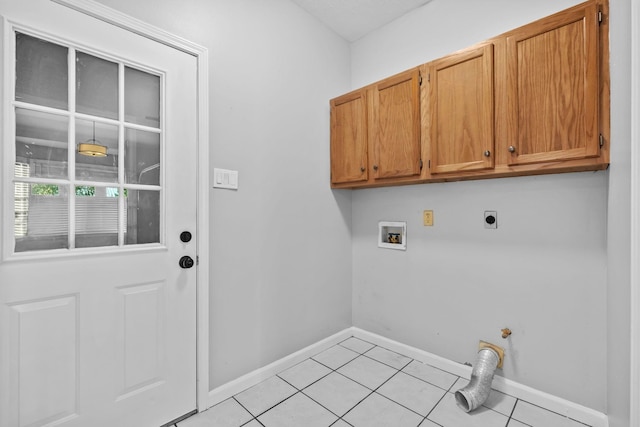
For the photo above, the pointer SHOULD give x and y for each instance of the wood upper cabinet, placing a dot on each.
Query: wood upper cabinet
(530, 101)
(395, 126)
(552, 78)
(349, 138)
(375, 132)
(461, 105)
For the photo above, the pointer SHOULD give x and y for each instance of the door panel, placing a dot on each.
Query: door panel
(44, 343)
(97, 320)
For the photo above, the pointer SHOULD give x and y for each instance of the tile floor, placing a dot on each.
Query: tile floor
(358, 384)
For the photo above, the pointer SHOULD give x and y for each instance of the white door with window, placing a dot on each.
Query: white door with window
(99, 184)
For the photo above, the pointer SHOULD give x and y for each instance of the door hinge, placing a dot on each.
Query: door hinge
(420, 164)
(197, 259)
(429, 164)
(420, 79)
(601, 140)
(599, 17)
(429, 77)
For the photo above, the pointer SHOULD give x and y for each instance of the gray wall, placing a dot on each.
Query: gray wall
(556, 271)
(619, 220)
(280, 245)
(543, 272)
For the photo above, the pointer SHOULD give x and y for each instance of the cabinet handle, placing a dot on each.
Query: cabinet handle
(487, 153)
(512, 149)
(375, 167)
(362, 169)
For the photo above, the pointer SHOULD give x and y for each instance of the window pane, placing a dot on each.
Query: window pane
(41, 143)
(143, 216)
(96, 86)
(142, 157)
(41, 72)
(96, 168)
(141, 98)
(96, 217)
(41, 216)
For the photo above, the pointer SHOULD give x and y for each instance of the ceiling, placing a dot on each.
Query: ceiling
(353, 19)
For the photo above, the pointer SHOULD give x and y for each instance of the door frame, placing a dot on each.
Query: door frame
(635, 216)
(201, 53)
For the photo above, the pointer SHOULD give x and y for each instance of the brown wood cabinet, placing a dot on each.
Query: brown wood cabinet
(375, 132)
(533, 100)
(349, 140)
(461, 111)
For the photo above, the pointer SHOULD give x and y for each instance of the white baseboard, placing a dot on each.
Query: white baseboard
(234, 387)
(512, 388)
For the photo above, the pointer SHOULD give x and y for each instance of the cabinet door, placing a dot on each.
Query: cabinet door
(396, 126)
(552, 93)
(349, 138)
(462, 111)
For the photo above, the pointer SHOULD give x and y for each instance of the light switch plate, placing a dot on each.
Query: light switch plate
(225, 178)
(427, 218)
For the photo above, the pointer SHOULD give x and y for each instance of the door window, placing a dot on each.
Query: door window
(88, 149)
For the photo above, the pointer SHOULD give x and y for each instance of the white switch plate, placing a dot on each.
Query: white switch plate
(224, 178)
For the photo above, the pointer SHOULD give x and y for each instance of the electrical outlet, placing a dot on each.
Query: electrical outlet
(427, 218)
(490, 219)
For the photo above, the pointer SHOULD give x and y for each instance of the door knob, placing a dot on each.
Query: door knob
(512, 149)
(186, 262)
(185, 236)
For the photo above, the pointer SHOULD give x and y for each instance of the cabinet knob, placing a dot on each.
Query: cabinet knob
(375, 167)
(362, 169)
(512, 149)
(487, 153)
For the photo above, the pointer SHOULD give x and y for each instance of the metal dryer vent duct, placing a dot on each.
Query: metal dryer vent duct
(477, 391)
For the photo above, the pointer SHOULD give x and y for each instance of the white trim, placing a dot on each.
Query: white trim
(234, 387)
(634, 395)
(512, 388)
(121, 20)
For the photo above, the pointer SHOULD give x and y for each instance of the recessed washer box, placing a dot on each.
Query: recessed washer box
(392, 235)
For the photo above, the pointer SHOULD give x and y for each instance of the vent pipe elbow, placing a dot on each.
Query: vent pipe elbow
(477, 391)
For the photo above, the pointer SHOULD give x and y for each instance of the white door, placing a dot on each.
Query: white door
(97, 317)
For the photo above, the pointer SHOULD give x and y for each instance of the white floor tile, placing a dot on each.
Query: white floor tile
(388, 357)
(427, 423)
(225, 414)
(340, 423)
(378, 411)
(263, 396)
(447, 414)
(367, 372)
(357, 345)
(336, 356)
(430, 374)
(500, 402)
(536, 416)
(297, 411)
(337, 393)
(253, 423)
(516, 423)
(304, 373)
(415, 394)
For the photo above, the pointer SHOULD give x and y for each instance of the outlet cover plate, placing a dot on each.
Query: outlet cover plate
(491, 219)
